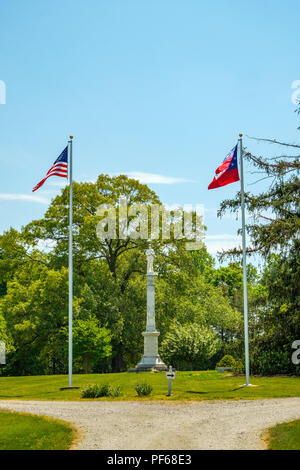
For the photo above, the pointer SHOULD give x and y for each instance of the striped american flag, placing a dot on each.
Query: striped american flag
(59, 168)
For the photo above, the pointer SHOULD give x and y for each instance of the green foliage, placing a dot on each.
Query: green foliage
(109, 287)
(239, 367)
(202, 260)
(187, 297)
(273, 228)
(192, 295)
(227, 361)
(189, 346)
(143, 389)
(33, 321)
(273, 362)
(277, 322)
(90, 341)
(98, 391)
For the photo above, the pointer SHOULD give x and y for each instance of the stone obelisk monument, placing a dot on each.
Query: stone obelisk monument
(151, 360)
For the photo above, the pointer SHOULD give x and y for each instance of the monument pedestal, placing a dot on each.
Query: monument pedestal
(151, 360)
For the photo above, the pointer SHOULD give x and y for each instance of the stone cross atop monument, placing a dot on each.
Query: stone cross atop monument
(151, 359)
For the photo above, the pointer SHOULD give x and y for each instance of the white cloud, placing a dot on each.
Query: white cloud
(220, 242)
(24, 197)
(46, 245)
(152, 178)
(223, 236)
(60, 184)
(142, 177)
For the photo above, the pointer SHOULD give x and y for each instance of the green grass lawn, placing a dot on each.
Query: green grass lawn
(22, 431)
(203, 385)
(285, 436)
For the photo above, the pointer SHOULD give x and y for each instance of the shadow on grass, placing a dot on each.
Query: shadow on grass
(211, 391)
(12, 397)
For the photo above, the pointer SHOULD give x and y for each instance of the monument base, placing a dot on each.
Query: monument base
(151, 361)
(150, 364)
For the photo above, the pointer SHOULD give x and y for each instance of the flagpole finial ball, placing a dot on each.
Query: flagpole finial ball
(241, 135)
(71, 137)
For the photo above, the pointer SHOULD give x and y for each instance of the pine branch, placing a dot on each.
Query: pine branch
(274, 141)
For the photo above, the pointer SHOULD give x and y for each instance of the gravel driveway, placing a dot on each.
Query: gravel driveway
(167, 425)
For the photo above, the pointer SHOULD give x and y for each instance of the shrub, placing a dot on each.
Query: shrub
(227, 361)
(189, 346)
(98, 391)
(116, 391)
(270, 362)
(143, 389)
(91, 391)
(239, 367)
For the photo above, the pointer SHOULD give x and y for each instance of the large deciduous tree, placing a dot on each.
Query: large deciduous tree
(109, 282)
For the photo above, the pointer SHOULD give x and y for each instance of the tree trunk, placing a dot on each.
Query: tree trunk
(117, 363)
(53, 366)
(86, 364)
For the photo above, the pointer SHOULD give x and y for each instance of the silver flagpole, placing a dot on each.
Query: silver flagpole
(70, 261)
(247, 367)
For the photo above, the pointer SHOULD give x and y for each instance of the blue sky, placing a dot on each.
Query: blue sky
(159, 89)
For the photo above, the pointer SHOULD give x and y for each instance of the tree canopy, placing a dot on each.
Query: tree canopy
(109, 285)
(199, 307)
(273, 227)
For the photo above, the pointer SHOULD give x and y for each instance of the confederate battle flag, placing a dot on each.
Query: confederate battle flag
(227, 172)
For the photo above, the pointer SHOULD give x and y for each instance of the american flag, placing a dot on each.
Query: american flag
(59, 168)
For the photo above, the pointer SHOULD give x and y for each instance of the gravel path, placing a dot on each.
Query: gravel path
(167, 425)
